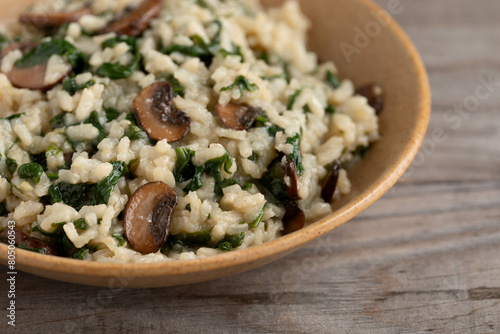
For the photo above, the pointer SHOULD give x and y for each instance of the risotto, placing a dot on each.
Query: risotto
(160, 130)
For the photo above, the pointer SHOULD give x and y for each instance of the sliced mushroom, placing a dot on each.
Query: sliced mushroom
(157, 114)
(237, 116)
(291, 178)
(25, 241)
(294, 218)
(135, 22)
(375, 95)
(147, 216)
(33, 77)
(53, 19)
(330, 182)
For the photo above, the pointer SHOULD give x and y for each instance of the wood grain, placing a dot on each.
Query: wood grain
(424, 258)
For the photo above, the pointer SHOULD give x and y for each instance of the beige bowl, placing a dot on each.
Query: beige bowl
(385, 56)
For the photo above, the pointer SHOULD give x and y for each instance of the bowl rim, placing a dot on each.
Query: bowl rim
(282, 245)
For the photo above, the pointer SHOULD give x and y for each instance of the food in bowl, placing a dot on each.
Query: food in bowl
(151, 131)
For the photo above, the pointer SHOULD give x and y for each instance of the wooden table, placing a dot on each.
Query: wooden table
(425, 258)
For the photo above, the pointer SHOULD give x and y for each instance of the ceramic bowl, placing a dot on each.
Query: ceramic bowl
(367, 46)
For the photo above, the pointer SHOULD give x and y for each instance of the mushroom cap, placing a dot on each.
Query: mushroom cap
(34, 77)
(237, 116)
(135, 22)
(294, 218)
(30, 242)
(53, 19)
(157, 114)
(147, 216)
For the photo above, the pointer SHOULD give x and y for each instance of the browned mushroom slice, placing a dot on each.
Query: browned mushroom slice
(291, 179)
(147, 216)
(157, 114)
(294, 218)
(53, 19)
(237, 116)
(135, 22)
(330, 183)
(34, 77)
(24, 241)
(375, 95)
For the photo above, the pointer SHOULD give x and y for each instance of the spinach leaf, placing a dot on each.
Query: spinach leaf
(292, 99)
(14, 116)
(129, 40)
(57, 121)
(235, 52)
(231, 241)
(3, 209)
(120, 239)
(112, 114)
(296, 155)
(205, 51)
(80, 224)
(23, 245)
(135, 132)
(332, 79)
(257, 220)
(40, 159)
(242, 84)
(11, 165)
(103, 189)
(70, 85)
(214, 166)
(176, 86)
(274, 181)
(62, 242)
(119, 71)
(53, 176)
(3, 42)
(184, 168)
(94, 120)
(179, 241)
(195, 182)
(80, 253)
(52, 150)
(263, 121)
(330, 109)
(56, 46)
(31, 172)
(74, 195)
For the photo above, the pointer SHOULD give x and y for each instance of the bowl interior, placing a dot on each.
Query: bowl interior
(380, 53)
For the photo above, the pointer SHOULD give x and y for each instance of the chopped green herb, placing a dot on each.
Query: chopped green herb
(272, 77)
(80, 224)
(242, 84)
(184, 169)
(120, 239)
(80, 253)
(31, 172)
(119, 71)
(231, 242)
(274, 181)
(188, 207)
(129, 40)
(70, 85)
(253, 157)
(11, 165)
(257, 220)
(332, 79)
(296, 155)
(247, 186)
(202, 3)
(112, 114)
